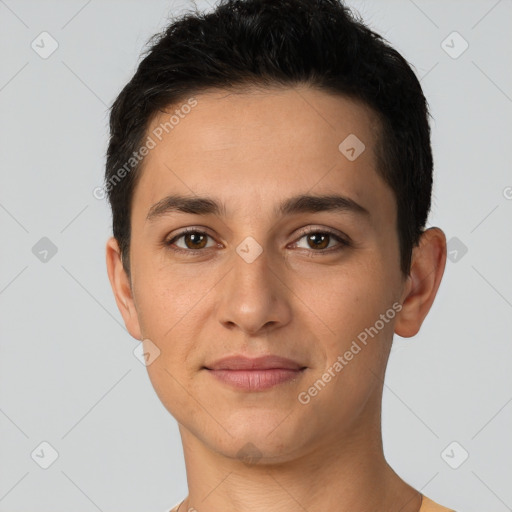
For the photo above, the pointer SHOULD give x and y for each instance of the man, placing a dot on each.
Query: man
(270, 174)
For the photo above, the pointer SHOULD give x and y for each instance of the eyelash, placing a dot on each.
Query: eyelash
(343, 243)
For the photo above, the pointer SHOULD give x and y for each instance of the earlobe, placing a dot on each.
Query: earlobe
(121, 288)
(427, 268)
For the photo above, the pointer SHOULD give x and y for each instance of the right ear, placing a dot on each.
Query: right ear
(121, 287)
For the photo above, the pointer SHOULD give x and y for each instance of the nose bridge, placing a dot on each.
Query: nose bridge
(251, 268)
(252, 296)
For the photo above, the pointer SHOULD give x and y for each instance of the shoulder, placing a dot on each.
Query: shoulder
(428, 505)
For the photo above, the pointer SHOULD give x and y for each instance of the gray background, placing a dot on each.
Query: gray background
(68, 375)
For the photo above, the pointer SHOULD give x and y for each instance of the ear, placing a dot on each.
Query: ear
(121, 287)
(427, 268)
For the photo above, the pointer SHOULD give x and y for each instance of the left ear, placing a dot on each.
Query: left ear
(427, 268)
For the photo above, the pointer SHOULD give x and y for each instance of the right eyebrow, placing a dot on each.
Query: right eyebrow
(186, 204)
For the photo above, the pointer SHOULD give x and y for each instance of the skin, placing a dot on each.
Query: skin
(251, 151)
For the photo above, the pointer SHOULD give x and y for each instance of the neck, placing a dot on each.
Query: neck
(339, 474)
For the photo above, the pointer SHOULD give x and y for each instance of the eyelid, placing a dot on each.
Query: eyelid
(344, 241)
(168, 241)
(319, 229)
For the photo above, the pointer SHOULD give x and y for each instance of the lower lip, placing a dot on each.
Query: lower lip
(255, 380)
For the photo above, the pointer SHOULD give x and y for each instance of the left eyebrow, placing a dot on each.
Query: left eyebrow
(292, 206)
(320, 203)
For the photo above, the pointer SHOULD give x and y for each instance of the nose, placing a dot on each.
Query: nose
(253, 297)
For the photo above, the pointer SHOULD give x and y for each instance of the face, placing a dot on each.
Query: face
(265, 274)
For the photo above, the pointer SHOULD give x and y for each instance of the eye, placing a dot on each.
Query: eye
(193, 240)
(319, 241)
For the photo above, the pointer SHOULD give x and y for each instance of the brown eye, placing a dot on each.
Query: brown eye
(320, 241)
(193, 240)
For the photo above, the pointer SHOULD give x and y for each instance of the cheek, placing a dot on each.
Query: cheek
(345, 308)
(171, 306)
(165, 295)
(345, 299)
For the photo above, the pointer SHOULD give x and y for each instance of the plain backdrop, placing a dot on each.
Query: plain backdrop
(73, 396)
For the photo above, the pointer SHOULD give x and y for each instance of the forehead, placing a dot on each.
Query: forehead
(222, 120)
(262, 143)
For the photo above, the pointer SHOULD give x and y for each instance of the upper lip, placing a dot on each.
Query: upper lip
(257, 363)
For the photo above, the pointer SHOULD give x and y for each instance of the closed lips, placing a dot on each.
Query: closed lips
(260, 363)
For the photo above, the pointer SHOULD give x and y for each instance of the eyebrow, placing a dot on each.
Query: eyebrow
(294, 205)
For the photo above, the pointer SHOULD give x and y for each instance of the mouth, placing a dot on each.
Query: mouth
(255, 374)
(256, 380)
(240, 362)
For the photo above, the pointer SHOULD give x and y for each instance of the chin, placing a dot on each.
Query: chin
(258, 446)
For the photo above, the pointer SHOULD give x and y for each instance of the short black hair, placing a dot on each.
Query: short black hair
(269, 43)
